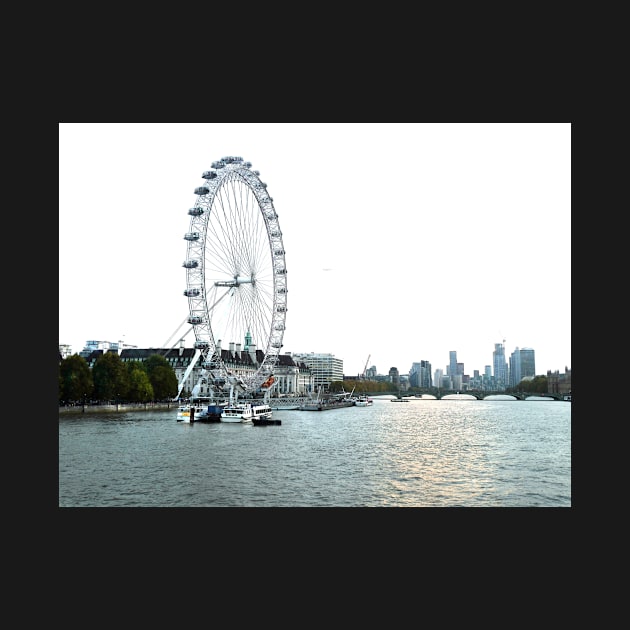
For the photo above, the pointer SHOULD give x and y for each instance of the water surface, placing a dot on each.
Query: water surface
(424, 453)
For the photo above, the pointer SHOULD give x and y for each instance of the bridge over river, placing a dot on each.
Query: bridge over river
(460, 395)
(287, 402)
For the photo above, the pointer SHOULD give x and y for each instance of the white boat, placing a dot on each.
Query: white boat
(184, 412)
(202, 413)
(363, 401)
(246, 412)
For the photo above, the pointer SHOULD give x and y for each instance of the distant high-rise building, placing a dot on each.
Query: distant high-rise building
(451, 370)
(437, 377)
(425, 374)
(528, 362)
(394, 375)
(420, 374)
(500, 367)
(414, 375)
(515, 367)
(522, 365)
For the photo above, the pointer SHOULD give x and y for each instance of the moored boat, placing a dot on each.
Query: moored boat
(313, 405)
(287, 403)
(246, 412)
(183, 413)
(324, 403)
(196, 412)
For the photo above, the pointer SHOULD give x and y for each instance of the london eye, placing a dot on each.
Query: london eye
(236, 276)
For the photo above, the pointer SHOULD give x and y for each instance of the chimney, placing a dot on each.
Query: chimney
(238, 350)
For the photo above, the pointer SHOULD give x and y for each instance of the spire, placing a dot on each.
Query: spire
(248, 341)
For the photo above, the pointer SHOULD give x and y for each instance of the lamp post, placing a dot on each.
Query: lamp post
(117, 396)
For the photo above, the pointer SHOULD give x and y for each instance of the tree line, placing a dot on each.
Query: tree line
(111, 379)
(536, 385)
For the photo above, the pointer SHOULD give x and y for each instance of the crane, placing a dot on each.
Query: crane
(365, 366)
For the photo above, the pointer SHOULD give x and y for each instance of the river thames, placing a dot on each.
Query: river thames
(421, 453)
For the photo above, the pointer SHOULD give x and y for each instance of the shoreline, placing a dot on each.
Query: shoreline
(120, 408)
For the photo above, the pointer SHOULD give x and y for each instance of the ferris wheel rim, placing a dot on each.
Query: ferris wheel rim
(231, 217)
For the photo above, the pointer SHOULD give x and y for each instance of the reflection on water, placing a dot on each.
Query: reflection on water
(424, 453)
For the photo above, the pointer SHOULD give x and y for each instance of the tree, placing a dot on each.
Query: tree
(139, 385)
(360, 386)
(110, 377)
(162, 377)
(536, 385)
(75, 379)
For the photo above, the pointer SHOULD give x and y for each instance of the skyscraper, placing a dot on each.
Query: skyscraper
(451, 370)
(522, 365)
(500, 367)
(528, 363)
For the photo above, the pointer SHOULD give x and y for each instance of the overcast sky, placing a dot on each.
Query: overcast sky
(403, 241)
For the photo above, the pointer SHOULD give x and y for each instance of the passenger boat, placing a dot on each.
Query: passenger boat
(363, 401)
(196, 412)
(246, 412)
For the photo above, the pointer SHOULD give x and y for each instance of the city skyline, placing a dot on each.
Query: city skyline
(380, 370)
(403, 241)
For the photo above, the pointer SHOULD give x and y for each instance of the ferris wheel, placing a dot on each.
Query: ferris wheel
(236, 281)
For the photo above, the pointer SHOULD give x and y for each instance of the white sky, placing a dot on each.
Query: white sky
(403, 240)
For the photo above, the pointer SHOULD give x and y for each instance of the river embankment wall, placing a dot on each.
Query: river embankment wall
(117, 408)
